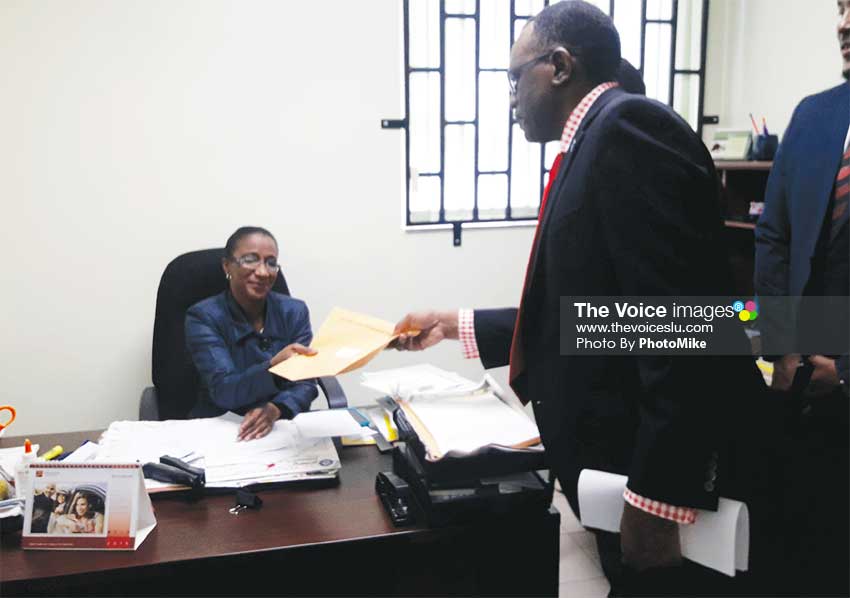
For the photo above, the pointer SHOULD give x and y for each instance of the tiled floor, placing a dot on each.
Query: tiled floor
(580, 573)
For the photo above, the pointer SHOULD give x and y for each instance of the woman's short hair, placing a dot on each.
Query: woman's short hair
(241, 233)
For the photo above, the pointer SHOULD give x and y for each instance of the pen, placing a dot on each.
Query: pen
(764, 125)
(359, 417)
(53, 453)
(755, 126)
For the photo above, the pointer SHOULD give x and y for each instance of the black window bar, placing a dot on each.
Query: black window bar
(677, 78)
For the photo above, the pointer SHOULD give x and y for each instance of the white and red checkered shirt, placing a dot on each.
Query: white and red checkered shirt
(469, 346)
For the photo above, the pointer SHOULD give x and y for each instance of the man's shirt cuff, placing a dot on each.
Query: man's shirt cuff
(685, 515)
(466, 333)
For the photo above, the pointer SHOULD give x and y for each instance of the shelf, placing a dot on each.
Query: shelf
(742, 165)
(739, 224)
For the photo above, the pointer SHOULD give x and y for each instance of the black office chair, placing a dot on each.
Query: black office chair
(189, 278)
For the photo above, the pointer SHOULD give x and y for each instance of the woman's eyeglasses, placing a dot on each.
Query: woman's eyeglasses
(252, 261)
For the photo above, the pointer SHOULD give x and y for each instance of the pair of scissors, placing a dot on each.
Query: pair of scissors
(6, 424)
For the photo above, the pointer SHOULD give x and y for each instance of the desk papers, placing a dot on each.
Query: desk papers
(718, 540)
(346, 341)
(86, 452)
(463, 421)
(466, 423)
(281, 456)
(327, 423)
(10, 457)
(417, 379)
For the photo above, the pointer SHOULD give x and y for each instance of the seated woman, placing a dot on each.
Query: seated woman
(236, 336)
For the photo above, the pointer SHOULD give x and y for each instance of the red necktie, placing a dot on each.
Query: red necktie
(842, 193)
(517, 361)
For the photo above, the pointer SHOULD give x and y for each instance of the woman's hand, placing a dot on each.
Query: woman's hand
(258, 421)
(290, 350)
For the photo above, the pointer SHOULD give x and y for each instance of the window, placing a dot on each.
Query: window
(467, 160)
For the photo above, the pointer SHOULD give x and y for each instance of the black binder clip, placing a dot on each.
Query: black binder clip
(172, 470)
(246, 500)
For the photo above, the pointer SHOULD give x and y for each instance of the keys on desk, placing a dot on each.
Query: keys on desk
(245, 500)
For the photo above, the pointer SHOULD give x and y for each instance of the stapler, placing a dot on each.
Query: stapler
(172, 470)
(395, 494)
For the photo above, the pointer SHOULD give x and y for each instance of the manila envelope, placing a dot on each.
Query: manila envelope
(346, 341)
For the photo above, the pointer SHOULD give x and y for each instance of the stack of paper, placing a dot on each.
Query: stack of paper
(283, 455)
(329, 422)
(468, 422)
(719, 540)
(416, 380)
(10, 457)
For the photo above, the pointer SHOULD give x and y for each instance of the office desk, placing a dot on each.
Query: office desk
(336, 541)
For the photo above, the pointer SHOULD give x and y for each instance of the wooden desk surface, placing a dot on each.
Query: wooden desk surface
(298, 531)
(204, 528)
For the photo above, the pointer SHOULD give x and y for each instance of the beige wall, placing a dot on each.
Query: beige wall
(134, 131)
(765, 56)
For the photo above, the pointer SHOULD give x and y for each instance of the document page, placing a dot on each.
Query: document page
(416, 379)
(327, 423)
(211, 444)
(466, 423)
(346, 341)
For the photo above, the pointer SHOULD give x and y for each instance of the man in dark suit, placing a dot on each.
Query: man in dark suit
(802, 251)
(631, 210)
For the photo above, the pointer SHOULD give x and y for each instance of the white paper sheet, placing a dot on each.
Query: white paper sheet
(11, 507)
(422, 378)
(9, 457)
(147, 441)
(86, 452)
(282, 455)
(327, 423)
(469, 422)
(719, 540)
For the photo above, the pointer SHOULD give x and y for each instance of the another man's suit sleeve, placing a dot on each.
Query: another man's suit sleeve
(773, 251)
(654, 196)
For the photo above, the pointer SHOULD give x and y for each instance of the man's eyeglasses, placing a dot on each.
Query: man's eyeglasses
(514, 74)
(252, 261)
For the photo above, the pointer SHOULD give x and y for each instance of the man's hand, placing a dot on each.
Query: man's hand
(648, 541)
(419, 331)
(290, 350)
(784, 369)
(824, 377)
(258, 422)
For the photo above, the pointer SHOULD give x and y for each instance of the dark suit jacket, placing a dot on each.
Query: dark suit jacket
(633, 211)
(798, 193)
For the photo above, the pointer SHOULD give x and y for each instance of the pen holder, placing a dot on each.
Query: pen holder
(763, 147)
